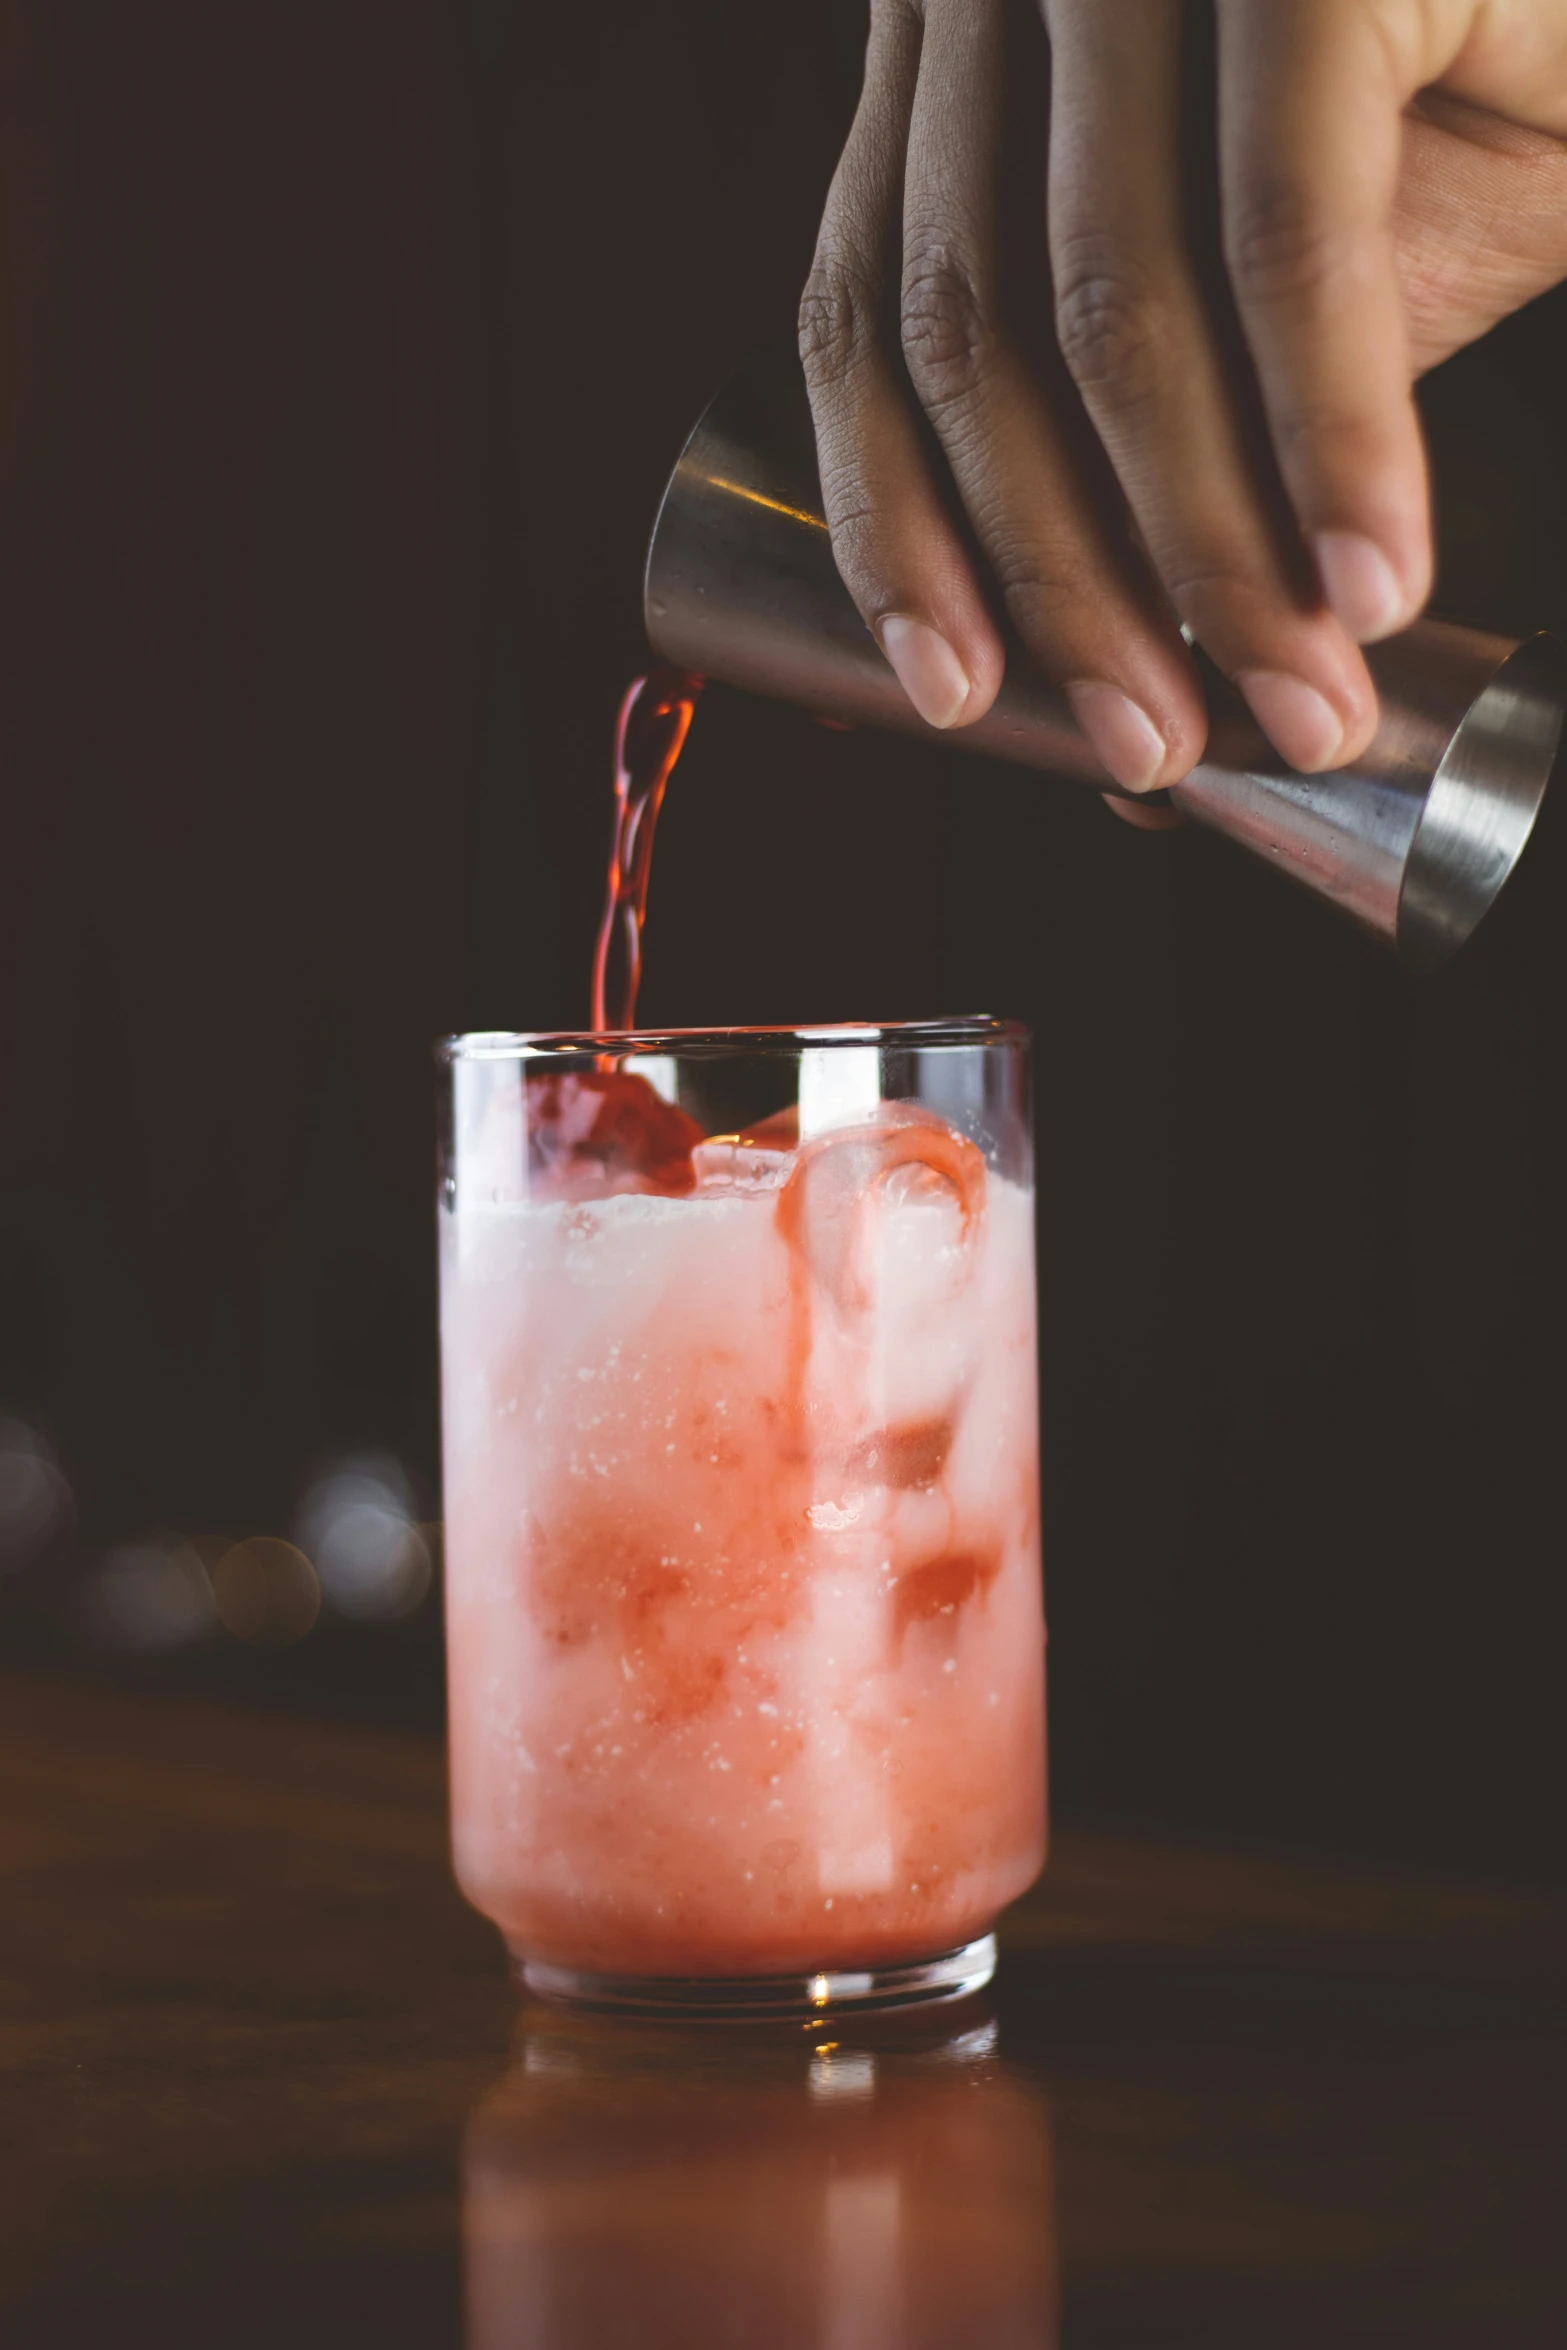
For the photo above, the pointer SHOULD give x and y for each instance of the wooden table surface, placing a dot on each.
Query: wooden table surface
(264, 2082)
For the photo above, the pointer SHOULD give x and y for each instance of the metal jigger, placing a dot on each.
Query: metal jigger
(1414, 841)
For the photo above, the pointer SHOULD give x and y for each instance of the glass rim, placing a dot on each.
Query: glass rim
(779, 1041)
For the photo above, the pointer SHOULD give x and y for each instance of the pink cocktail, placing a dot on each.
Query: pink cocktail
(742, 1527)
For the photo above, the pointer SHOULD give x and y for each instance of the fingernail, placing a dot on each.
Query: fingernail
(1361, 585)
(1300, 724)
(1126, 741)
(926, 667)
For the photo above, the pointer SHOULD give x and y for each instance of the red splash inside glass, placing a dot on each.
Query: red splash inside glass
(742, 1509)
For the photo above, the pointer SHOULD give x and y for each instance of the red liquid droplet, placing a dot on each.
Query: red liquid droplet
(654, 719)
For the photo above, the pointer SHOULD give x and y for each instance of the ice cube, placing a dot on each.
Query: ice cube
(903, 1153)
(593, 1132)
(727, 1163)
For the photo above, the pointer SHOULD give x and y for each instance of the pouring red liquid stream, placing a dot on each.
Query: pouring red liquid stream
(650, 734)
(599, 1129)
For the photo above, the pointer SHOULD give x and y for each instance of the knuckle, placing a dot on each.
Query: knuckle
(1209, 584)
(1040, 593)
(1277, 244)
(1333, 435)
(1237, 608)
(858, 528)
(837, 321)
(1110, 330)
(946, 332)
(1326, 438)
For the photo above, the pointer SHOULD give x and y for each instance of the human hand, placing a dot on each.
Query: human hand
(1187, 399)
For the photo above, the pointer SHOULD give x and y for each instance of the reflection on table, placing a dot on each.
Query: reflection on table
(251, 2041)
(888, 2188)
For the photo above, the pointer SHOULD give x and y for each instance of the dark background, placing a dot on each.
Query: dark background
(344, 347)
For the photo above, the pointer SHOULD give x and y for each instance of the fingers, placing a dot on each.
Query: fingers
(1072, 594)
(1136, 329)
(1311, 94)
(1309, 113)
(901, 554)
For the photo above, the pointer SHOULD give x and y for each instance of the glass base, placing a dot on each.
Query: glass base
(919, 1982)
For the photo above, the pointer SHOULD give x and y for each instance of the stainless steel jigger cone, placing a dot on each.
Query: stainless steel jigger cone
(1414, 841)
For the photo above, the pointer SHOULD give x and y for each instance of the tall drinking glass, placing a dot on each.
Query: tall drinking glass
(742, 1514)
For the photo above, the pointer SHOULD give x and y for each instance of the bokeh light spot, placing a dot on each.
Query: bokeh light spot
(266, 1592)
(356, 1522)
(150, 1596)
(35, 1500)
